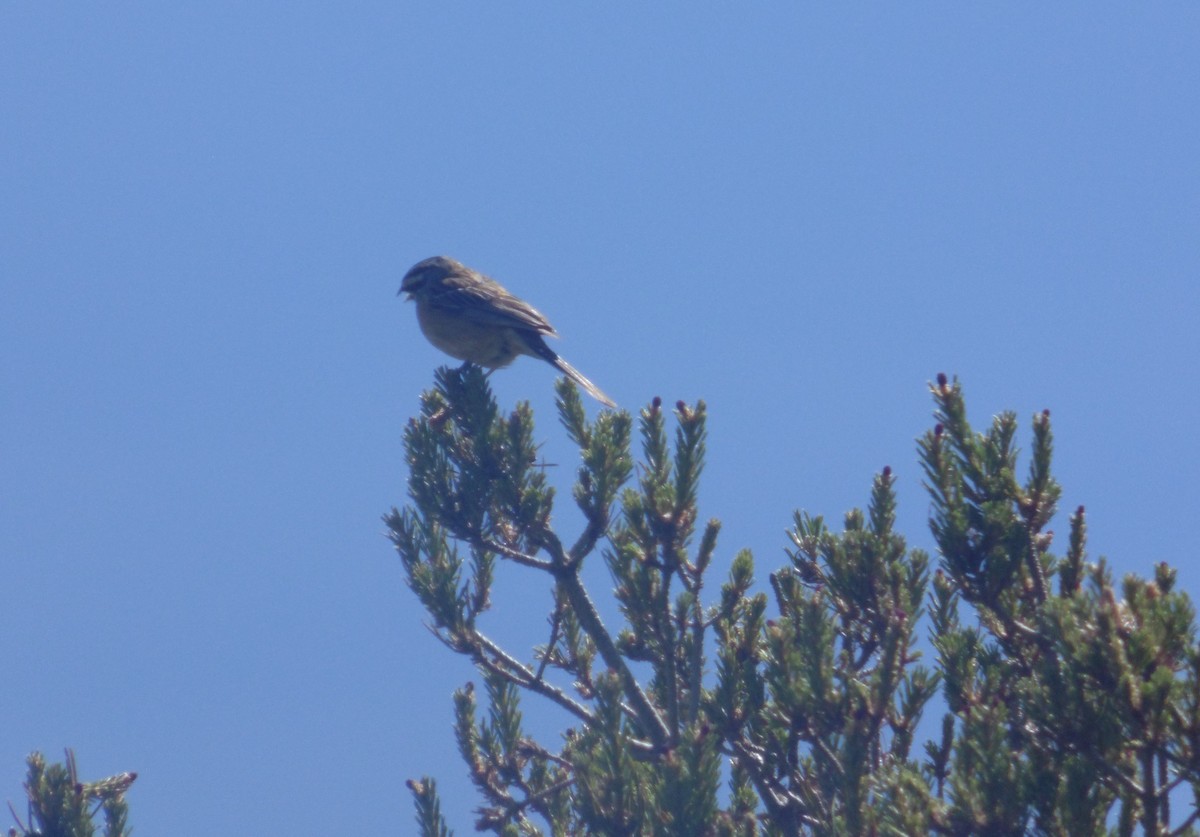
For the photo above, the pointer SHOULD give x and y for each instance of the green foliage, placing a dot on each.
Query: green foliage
(1067, 706)
(1070, 705)
(429, 809)
(62, 806)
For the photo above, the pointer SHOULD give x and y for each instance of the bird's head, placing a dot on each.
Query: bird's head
(425, 272)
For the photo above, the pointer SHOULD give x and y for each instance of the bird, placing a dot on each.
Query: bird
(473, 318)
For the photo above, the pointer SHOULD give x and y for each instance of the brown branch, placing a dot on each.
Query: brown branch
(566, 573)
(786, 809)
(504, 664)
(513, 554)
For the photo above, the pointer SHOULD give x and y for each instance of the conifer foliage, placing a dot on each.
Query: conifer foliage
(1069, 704)
(59, 805)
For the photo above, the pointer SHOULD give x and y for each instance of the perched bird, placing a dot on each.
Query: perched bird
(473, 318)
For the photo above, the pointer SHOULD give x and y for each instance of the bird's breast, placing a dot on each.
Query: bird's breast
(483, 344)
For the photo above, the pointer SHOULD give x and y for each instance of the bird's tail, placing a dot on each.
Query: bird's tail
(538, 348)
(579, 378)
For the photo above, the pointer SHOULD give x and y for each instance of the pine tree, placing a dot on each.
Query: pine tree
(62, 806)
(1068, 707)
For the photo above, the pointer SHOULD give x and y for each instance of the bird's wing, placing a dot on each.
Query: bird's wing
(483, 300)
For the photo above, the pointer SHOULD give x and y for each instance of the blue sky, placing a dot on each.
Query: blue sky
(799, 214)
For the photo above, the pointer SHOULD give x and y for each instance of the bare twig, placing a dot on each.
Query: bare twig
(566, 574)
(513, 670)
